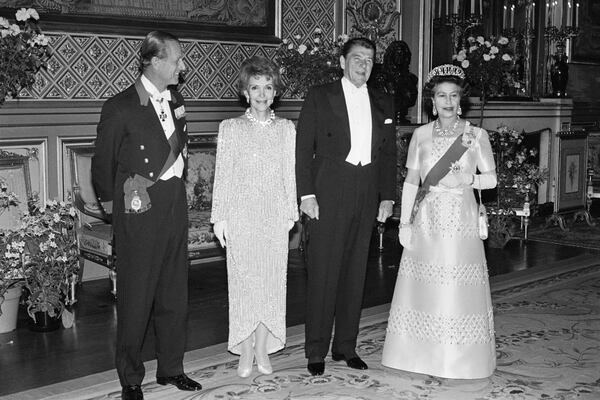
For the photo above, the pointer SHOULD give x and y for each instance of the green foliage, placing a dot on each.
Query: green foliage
(42, 250)
(23, 51)
(314, 62)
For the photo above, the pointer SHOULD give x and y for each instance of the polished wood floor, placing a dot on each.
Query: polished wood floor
(29, 359)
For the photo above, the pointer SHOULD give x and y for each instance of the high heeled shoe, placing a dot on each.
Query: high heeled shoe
(263, 364)
(244, 368)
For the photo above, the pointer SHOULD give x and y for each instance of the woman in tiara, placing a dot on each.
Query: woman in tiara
(253, 208)
(441, 320)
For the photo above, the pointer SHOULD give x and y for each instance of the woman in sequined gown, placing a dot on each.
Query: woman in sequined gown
(253, 208)
(441, 320)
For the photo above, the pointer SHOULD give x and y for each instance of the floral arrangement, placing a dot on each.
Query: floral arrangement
(314, 62)
(487, 63)
(23, 51)
(43, 251)
(518, 174)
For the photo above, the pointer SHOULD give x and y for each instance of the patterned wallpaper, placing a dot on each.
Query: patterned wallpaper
(92, 67)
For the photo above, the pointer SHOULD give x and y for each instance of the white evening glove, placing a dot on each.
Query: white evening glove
(409, 193)
(220, 229)
(484, 181)
(290, 224)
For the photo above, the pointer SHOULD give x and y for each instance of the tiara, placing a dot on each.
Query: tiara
(446, 70)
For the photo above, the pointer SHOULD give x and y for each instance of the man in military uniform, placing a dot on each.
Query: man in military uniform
(138, 171)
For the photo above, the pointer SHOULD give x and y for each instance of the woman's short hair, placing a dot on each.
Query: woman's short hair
(443, 74)
(259, 66)
(154, 45)
(355, 42)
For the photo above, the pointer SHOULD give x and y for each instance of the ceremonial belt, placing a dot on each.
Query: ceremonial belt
(437, 172)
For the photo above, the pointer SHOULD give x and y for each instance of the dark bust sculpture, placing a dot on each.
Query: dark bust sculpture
(393, 77)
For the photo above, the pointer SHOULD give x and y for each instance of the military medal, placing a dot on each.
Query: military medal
(136, 202)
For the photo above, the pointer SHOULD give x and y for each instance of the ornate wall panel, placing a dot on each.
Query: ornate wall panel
(301, 17)
(95, 67)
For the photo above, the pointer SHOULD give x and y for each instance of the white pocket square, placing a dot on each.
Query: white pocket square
(388, 121)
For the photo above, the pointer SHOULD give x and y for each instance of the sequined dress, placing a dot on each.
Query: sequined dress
(441, 321)
(255, 192)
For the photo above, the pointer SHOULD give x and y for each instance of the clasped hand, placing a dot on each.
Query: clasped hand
(456, 179)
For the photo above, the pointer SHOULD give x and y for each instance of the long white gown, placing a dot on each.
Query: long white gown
(441, 320)
(255, 192)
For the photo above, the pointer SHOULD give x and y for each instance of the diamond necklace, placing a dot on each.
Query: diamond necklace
(252, 118)
(447, 131)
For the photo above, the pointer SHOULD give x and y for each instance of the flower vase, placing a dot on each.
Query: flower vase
(10, 309)
(497, 239)
(44, 322)
(559, 73)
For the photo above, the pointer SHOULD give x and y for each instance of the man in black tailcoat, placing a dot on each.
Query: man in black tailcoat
(137, 171)
(345, 167)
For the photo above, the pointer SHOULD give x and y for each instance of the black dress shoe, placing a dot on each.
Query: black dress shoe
(132, 392)
(353, 362)
(181, 381)
(316, 368)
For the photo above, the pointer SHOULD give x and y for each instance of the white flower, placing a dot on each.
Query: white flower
(316, 40)
(4, 33)
(461, 57)
(487, 43)
(503, 40)
(14, 30)
(486, 57)
(473, 48)
(494, 50)
(22, 15)
(33, 14)
(284, 41)
(465, 64)
(297, 37)
(480, 39)
(470, 39)
(506, 57)
(301, 49)
(4, 22)
(290, 46)
(318, 30)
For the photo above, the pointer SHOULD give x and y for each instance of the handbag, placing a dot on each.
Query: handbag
(482, 219)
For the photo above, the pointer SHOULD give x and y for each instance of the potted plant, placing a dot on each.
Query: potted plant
(45, 246)
(23, 51)
(519, 175)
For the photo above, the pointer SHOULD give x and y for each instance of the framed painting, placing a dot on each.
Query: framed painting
(594, 156)
(572, 153)
(14, 181)
(249, 20)
(586, 46)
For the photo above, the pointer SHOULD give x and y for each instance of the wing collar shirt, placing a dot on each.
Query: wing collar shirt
(359, 116)
(160, 102)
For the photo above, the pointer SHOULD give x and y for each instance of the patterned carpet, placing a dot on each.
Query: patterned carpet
(548, 347)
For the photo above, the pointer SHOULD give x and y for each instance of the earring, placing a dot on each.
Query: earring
(248, 99)
(434, 111)
(459, 111)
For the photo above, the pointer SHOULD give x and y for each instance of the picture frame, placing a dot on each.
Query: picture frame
(586, 45)
(14, 173)
(572, 170)
(259, 21)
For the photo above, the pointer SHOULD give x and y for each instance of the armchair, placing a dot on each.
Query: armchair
(94, 233)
